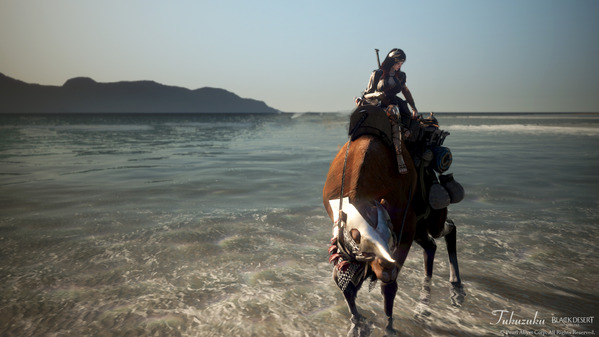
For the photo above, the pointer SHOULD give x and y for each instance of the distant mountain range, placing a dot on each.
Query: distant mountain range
(84, 95)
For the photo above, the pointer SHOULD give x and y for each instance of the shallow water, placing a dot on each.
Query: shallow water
(213, 225)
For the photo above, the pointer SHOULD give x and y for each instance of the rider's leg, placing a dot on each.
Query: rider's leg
(397, 139)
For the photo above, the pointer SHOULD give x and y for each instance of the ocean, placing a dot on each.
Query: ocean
(213, 225)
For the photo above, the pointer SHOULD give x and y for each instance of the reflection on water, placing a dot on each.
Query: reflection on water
(190, 225)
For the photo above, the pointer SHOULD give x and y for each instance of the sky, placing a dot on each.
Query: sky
(316, 56)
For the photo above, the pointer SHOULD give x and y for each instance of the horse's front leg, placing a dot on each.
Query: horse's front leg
(429, 249)
(350, 292)
(387, 273)
(358, 327)
(389, 290)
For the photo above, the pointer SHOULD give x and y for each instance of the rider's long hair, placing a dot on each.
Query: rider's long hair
(390, 60)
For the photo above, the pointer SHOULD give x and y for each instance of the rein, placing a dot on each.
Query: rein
(351, 134)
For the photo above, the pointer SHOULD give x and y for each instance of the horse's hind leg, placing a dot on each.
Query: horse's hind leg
(427, 230)
(457, 292)
(451, 241)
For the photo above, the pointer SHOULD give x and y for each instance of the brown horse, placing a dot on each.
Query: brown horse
(370, 174)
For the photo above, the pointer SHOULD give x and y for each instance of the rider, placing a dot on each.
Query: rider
(384, 85)
(393, 81)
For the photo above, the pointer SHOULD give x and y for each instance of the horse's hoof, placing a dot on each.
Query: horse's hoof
(359, 327)
(425, 291)
(457, 294)
(355, 319)
(389, 330)
(422, 312)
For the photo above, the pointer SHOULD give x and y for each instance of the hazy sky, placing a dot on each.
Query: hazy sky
(297, 56)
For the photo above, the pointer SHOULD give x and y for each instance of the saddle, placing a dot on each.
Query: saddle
(424, 132)
(370, 120)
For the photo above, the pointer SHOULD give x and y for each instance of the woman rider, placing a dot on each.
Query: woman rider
(392, 82)
(384, 85)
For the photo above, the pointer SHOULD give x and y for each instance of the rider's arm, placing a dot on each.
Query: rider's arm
(373, 81)
(408, 95)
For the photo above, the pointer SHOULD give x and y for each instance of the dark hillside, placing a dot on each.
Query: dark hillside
(82, 94)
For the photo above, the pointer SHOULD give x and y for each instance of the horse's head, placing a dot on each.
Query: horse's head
(366, 231)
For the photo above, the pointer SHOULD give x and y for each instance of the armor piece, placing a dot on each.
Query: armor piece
(375, 239)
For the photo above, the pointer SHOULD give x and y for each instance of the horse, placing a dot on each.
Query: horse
(365, 171)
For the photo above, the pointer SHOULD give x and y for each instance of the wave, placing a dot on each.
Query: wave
(527, 116)
(527, 129)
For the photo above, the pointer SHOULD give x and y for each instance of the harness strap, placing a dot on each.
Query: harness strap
(423, 191)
